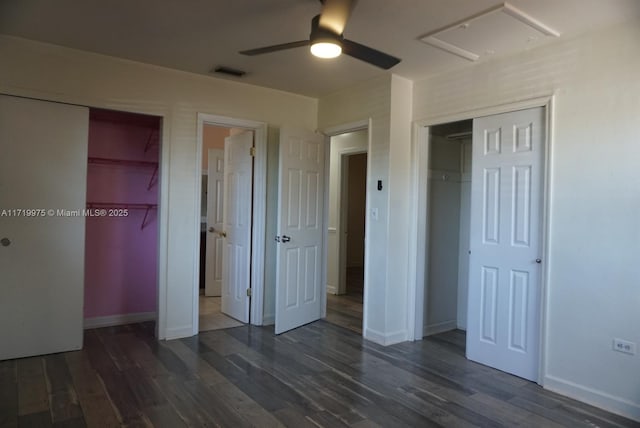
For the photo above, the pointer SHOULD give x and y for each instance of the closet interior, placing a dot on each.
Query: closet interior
(121, 240)
(449, 205)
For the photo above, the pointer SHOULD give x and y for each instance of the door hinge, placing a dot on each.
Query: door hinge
(252, 151)
(248, 292)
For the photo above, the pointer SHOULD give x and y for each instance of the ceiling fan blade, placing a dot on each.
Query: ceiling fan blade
(275, 48)
(370, 55)
(335, 14)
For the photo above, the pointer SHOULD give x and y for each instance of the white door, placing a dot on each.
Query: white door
(300, 229)
(236, 256)
(215, 226)
(504, 266)
(43, 167)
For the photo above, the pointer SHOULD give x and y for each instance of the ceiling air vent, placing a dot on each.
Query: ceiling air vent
(221, 69)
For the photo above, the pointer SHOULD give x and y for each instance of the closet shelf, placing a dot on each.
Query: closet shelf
(109, 161)
(125, 206)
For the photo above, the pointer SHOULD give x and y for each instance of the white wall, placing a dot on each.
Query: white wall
(386, 101)
(593, 292)
(344, 143)
(54, 73)
(369, 100)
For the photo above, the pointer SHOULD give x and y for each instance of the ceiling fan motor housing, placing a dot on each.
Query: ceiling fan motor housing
(320, 34)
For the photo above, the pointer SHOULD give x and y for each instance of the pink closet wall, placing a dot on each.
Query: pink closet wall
(121, 258)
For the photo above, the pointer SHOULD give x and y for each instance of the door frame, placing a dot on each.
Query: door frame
(258, 238)
(328, 133)
(419, 221)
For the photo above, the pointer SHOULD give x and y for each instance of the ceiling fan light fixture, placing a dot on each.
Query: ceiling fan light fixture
(326, 49)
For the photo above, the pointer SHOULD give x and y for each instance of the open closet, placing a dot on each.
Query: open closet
(121, 242)
(448, 229)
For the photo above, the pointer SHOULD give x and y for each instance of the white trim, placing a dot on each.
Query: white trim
(259, 211)
(385, 339)
(593, 396)
(332, 289)
(269, 319)
(529, 20)
(325, 224)
(452, 49)
(418, 247)
(120, 319)
(347, 127)
(163, 230)
(481, 111)
(178, 332)
(440, 327)
(330, 132)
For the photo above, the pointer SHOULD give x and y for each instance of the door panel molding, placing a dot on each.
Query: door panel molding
(301, 229)
(215, 206)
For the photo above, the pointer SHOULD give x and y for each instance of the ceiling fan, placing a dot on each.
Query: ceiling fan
(327, 41)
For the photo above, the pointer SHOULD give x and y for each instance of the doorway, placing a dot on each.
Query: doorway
(212, 235)
(121, 230)
(346, 231)
(449, 192)
(235, 167)
(505, 236)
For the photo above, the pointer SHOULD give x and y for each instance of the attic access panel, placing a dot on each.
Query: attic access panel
(500, 30)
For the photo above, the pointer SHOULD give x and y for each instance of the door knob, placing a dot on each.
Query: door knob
(223, 234)
(286, 238)
(538, 261)
(211, 230)
(5, 242)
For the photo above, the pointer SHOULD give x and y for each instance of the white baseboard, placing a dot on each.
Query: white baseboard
(269, 320)
(385, 339)
(332, 289)
(178, 332)
(592, 396)
(439, 327)
(120, 319)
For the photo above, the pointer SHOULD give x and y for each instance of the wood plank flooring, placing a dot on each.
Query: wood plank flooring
(317, 375)
(345, 310)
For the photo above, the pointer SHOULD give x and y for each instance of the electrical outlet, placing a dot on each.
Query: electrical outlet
(624, 346)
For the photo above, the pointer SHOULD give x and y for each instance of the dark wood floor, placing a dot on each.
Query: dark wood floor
(345, 310)
(317, 375)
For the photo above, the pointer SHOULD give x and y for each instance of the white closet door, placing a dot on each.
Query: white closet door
(504, 268)
(43, 166)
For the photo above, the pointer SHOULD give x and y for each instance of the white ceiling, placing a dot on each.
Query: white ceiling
(197, 35)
